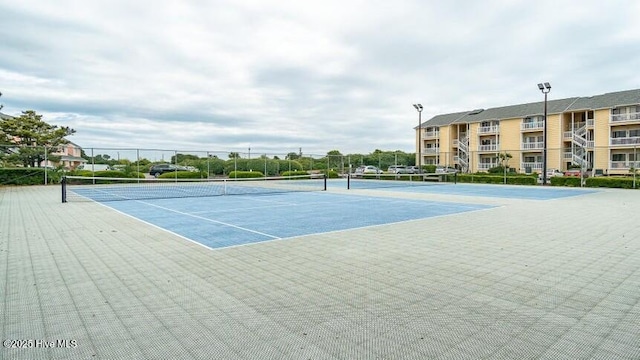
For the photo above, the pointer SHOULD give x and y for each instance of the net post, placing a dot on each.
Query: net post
(455, 177)
(64, 189)
(325, 183)
(349, 181)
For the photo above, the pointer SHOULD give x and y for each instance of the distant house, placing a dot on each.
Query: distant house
(70, 156)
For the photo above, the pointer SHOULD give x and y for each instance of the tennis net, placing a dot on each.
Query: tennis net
(80, 188)
(373, 181)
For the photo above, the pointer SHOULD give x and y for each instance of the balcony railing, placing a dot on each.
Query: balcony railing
(531, 165)
(431, 134)
(486, 166)
(532, 145)
(455, 142)
(431, 151)
(488, 129)
(590, 122)
(624, 164)
(567, 135)
(634, 140)
(536, 125)
(625, 117)
(491, 147)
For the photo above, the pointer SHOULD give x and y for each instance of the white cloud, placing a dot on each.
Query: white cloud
(331, 75)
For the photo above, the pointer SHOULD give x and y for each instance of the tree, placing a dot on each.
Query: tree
(31, 134)
(234, 155)
(504, 162)
(292, 156)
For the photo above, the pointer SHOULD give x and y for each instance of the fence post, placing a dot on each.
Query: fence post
(46, 165)
(64, 189)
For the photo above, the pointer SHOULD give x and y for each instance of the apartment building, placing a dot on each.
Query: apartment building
(600, 134)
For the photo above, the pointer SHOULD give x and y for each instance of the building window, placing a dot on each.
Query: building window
(634, 133)
(619, 157)
(618, 134)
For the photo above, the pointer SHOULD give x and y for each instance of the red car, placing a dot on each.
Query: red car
(575, 172)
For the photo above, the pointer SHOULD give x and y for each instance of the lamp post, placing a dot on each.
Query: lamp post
(419, 108)
(545, 88)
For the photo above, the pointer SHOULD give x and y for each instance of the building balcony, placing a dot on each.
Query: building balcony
(532, 126)
(490, 147)
(486, 166)
(590, 122)
(431, 134)
(483, 130)
(624, 117)
(620, 165)
(431, 151)
(455, 143)
(532, 145)
(534, 166)
(635, 140)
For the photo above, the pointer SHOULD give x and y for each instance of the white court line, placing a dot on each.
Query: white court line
(213, 221)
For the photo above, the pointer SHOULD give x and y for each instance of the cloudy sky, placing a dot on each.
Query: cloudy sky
(279, 75)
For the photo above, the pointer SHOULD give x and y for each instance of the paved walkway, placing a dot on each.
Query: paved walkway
(555, 279)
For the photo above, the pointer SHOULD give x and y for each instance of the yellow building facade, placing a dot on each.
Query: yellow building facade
(599, 134)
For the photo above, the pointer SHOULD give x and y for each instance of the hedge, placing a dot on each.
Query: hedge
(245, 174)
(495, 179)
(28, 176)
(184, 175)
(294, 173)
(611, 182)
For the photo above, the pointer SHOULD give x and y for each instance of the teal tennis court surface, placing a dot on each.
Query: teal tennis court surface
(223, 221)
(493, 191)
(280, 209)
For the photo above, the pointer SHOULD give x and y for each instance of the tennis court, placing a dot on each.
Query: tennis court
(435, 186)
(224, 221)
(526, 278)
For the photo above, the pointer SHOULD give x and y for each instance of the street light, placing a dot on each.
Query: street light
(545, 88)
(419, 108)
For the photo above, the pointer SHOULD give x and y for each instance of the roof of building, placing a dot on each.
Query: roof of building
(608, 100)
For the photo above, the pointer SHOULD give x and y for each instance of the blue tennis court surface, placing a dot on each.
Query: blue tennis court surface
(489, 190)
(224, 221)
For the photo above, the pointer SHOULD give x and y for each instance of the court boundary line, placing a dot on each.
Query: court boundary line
(275, 238)
(211, 220)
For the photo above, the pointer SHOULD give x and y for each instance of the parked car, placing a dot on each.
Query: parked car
(159, 169)
(575, 172)
(445, 170)
(94, 167)
(367, 170)
(398, 169)
(550, 173)
(412, 170)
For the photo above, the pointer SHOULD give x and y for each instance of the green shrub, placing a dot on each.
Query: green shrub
(109, 174)
(184, 175)
(294, 173)
(429, 169)
(331, 174)
(245, 174)
(495, 179)
(611, 182)
(28, 176)
(571, 181)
